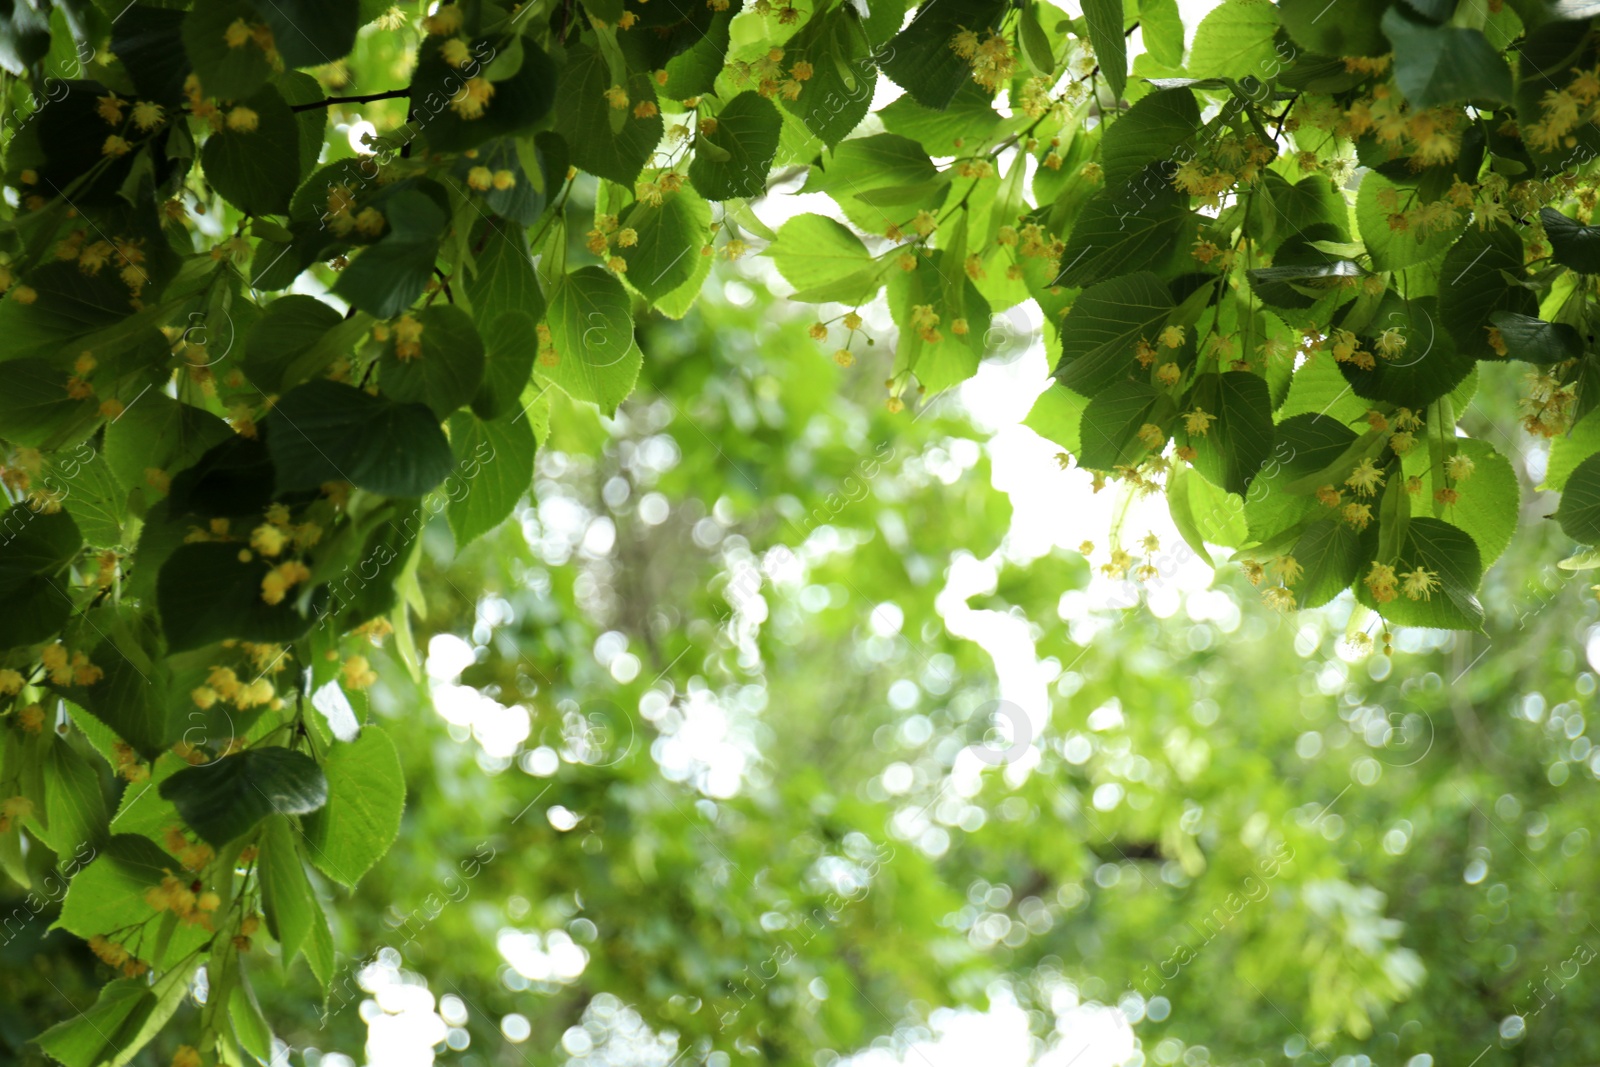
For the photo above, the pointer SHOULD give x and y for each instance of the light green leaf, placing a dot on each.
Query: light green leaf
(366, 797)
(286, 895)
(824, 261)
(494, 463)
(591, 327)
(1235, 40)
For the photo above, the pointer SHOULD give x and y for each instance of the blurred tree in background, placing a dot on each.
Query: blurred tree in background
(696, 764)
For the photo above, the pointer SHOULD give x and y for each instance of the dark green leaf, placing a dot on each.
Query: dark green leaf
(1110, 45)
(1473, 288)
(1572, 244)
(1579, 511)
(669, 239)
(1436, 65)
(1111, 425)
(449, 369)
(256, 167)
(1105, 325)
(207, 593)
(1236, 446)
(1154, 129)
(1535, 341)
(742, 148)
(920, 59)
(494, 462)
(311, 33)
(325, 431)
(224, 800)
(583, 118)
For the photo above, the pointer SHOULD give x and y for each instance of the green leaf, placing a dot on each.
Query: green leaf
(968, 118)
(286, 896)
(206, 593)
(1331, 554)
(1448, 552)
(1572, 244)
(1133, 227)
(1057, 416)
(1319, 389)
(97, 501)
(869, 166)
(1161, 26)
(494, 462)
(669, 241)
(223, 800)
(509, 347)
(35, 549)
(591, 327)
(919, 58)
(834, 100)
(389, 276)
(289, 328)
(1232, 452)
(742, 149)
(108, 895)
(326, 431)
(225, 72)
(1488, 503)
(1395, 249)
(519, 101)
(1153, 130)
(250, 1026)
(1535, 341)
(1346, 28)
(1436, 65)
(1110, 46)
(1111, 424)
(1203, 513)
(75, 807)
(950, 358)
(824, 260)
(34, 406)
(132, 698)
(1567, 451)
(1105, 324)
(1473, 287)
(366, 797)
(503, 278)
(583, 118)
(310, 33)
(318, 948)
(93, 1037)
(1579, 510)
(1236, 41)
(159, 433)
(256, 169)
(1429, 366)
(448, 371)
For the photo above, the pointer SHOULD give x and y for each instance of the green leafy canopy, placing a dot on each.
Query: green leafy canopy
(270, 306)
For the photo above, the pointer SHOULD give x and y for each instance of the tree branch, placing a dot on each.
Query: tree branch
(389, 94)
